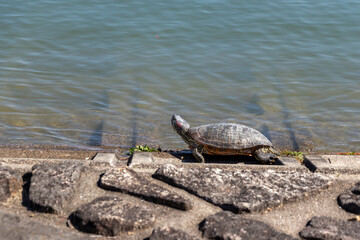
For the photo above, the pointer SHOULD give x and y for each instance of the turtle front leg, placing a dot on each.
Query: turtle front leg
(265, 155)
(197, 152)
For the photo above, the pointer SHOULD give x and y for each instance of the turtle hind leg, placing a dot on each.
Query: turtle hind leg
(197, 152)
(265, 155)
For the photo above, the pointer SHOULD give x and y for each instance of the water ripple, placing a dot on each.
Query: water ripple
(90, 73)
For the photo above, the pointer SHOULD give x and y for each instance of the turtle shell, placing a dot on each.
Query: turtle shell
(228, 138)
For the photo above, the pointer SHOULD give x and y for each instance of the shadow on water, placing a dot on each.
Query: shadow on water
(253, 106)
(265, 130)
(100, 103)
(293, 141)
(96, 137)
(286, 120)
(135, 118)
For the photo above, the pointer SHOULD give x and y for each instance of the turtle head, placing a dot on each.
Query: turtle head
(266, 155)
(180, 125)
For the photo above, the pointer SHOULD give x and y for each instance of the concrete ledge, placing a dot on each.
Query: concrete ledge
(148, 158)
(333, 163)
(27, 163)
(185, 159)
(290, 162)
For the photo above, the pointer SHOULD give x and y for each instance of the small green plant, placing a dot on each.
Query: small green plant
(296, 154)
(141, 148)
(350, 153)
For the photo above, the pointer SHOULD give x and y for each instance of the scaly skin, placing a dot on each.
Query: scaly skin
(266, 155)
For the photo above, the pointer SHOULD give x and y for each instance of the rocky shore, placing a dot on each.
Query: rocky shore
(68, 194)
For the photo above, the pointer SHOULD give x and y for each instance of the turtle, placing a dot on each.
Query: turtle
(225, 139)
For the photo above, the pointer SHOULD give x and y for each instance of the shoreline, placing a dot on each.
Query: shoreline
(72, 152)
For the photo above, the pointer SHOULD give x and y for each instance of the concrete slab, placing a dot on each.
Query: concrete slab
(148, 158)
(333, 163)
(183, 158)
(290, 162)
(25, 164)
(107, 158)
(347, 161)
(14, 226)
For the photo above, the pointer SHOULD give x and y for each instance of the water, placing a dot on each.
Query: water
(111, 73)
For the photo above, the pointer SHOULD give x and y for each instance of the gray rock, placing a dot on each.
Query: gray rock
(243, 190)
(10, 182)
(127, 180)
(227, 225)
(169, 233)
(17, 227)
(53, 186)
(350, 199)
(356, 188)
(110, 216)
(331, 229)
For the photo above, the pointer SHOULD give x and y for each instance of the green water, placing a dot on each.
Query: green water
(112, 73)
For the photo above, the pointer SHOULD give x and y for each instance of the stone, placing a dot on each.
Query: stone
(53, 186)
(350, 199)
(18, 227)
(139, 158)
(331, 229)
(10, 182)
(106, 158)
(356, 188)
(227, 225)
(243, 190)
(170, 233)
(110, 216)
(126, 180)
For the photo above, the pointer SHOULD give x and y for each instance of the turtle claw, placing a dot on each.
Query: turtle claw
(273, 159)
(197, 154)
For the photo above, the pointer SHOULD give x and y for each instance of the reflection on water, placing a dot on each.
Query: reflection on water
(90, 73)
